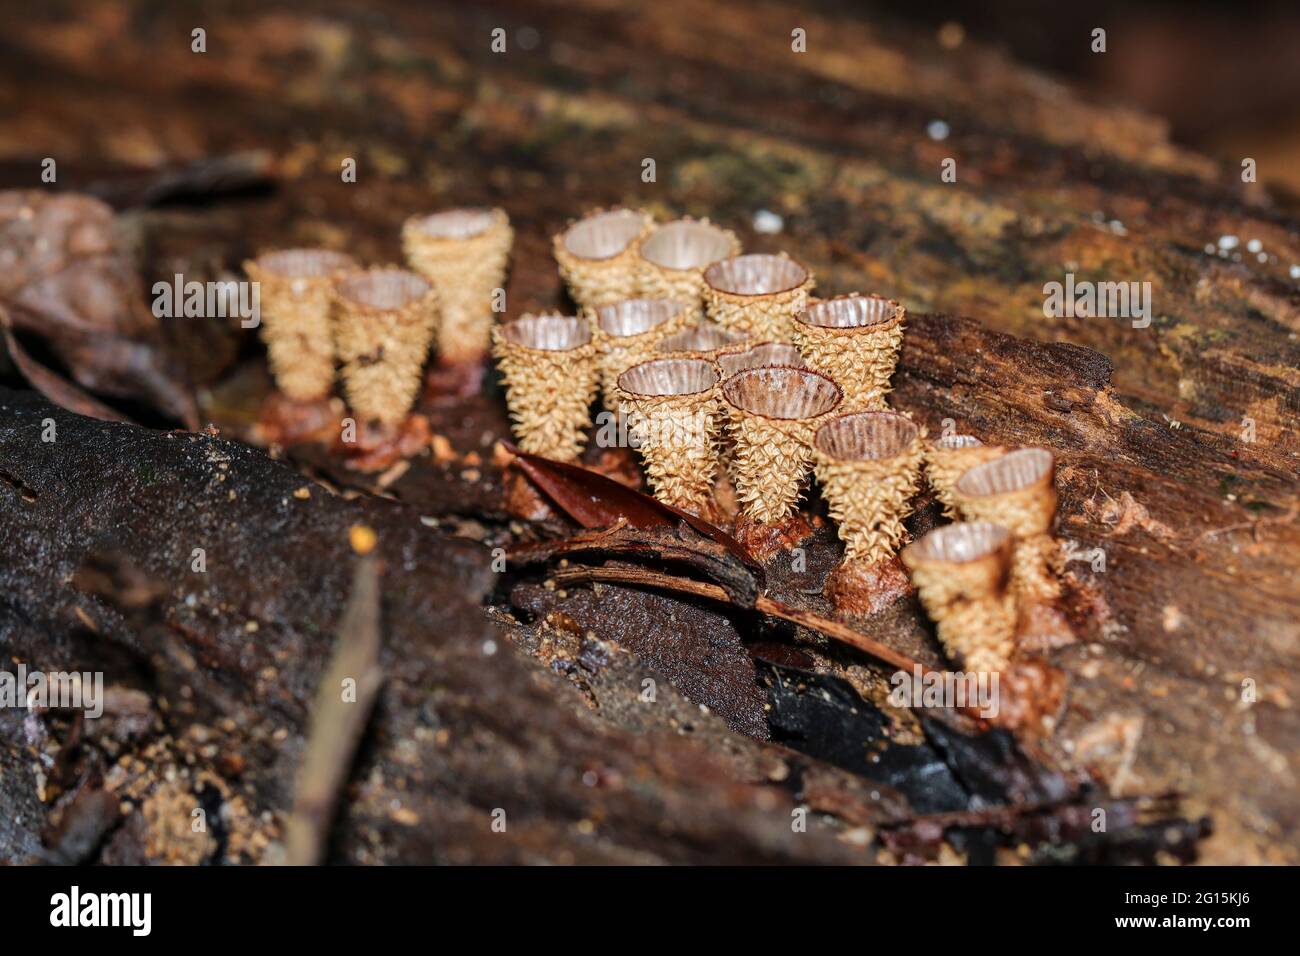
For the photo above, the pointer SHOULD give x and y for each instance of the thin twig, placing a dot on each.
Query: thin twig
(765, 604)
(337, 722)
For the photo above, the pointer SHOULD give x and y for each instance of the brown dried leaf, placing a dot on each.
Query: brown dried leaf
(65, 279)
(595, 501)
(53, 386)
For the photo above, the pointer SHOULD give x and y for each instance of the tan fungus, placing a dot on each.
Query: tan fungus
(671, 260)
(384, 323)
(773, 413)
(548, 363)
(296, 289)
(597, 256)
(961, 572)
(673, 410)
(948, 458)
(464, 253)
(757, 295)
(628, 331)
(1018, 491)
(855, 340)
(868, 464)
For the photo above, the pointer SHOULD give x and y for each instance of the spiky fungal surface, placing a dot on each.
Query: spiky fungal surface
(948, 458)
(673, 411)
(548, 363)
(464, 253)
(1017, 490)
(855, 340)
(961, 573)
(757, 295)
(597, 256)
(384, 323)
(296, 291)
(701, 340)
(671, 260)
(773, 413)
(868, 464)
(628, 332)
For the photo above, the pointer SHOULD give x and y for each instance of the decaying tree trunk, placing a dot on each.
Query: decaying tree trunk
(1178, 441)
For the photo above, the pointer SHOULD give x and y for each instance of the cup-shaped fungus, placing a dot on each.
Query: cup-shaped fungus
(961, 572)
(384, 322)
(626, 332)
(548, 363)
(701, 340)
(757, 295)
(463, 252)
(296, 288)
(671, 260)
(948, 458)
(855, 340)
(1018, 491)
(762, 355)
(773, 413)
(597, 256)
(868, 464)
(672, 406)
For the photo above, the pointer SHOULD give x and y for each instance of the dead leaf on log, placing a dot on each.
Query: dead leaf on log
(65, 279)
(338, 719)
(665, 545)
(52, 385)
(595, 501)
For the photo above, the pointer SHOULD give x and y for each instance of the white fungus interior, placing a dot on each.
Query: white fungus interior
(960, 542)
(851, 312)
(865, 436)
(605, 234)
(669, 376)
(686, 245)
(1011, 472)
(703, 337)
(635, 316)
(755, 274)
(759, 356)
(306, 263)
(386, 289)
(783, 393)
(548, 333)
(954, 442)
(458, 223)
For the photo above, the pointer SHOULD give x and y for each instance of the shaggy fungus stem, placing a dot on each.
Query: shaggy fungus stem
(672, 406)
(961, 572)
(757, 295)
(549, 366)
(597, 256)
(463, 252)
(296, 290)
(855, 340)
(773, 413)
(384, 322)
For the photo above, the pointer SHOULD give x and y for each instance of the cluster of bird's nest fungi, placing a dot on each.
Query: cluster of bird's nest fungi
(734, 382)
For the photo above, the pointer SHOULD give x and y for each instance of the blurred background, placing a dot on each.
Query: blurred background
(1226, 75)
